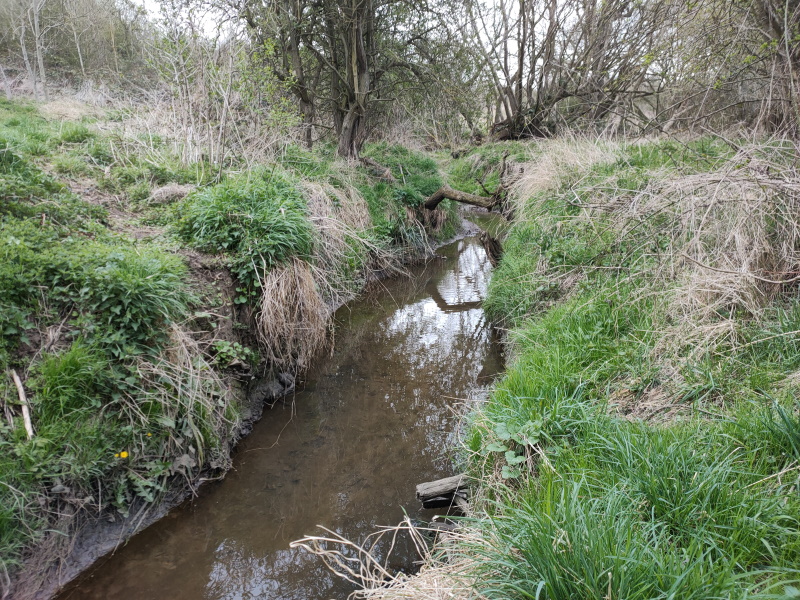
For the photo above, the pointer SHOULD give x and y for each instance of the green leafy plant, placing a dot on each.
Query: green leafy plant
(513, 439)
(228, 353)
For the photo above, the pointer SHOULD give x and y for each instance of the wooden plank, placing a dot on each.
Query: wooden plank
(442, 487)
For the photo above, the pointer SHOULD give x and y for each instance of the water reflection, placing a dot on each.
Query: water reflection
(373, 420)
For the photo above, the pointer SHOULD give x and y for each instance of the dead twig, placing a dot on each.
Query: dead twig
(23, 400)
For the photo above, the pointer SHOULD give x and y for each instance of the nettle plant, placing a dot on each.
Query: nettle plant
(513, 440)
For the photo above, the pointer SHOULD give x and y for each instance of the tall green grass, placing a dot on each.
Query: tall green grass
(259, 222)
(702, 505)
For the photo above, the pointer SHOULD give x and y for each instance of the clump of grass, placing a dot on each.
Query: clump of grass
(22, 183)
(346, 246)
(71, 165)
(75, 133)
(395, 205)
(557, 162)
(71, 382)
(293, 318)
(260, 223)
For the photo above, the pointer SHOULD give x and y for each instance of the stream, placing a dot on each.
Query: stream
(374, 418)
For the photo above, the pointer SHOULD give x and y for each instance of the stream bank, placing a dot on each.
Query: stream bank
(374, 418)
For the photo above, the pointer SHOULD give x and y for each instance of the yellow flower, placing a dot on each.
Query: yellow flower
(122, 454)
(149, 434)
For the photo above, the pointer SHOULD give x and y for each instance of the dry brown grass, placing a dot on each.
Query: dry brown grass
(557, 159)
(172, 192)
(441, 575)
(292, 323)
(136, 136)
(298, 298)
(733, 245)
(436, 580)
(340, 219)
(70, 109)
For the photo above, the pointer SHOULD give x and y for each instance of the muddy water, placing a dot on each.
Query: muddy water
(374, 419)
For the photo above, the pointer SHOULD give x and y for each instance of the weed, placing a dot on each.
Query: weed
(229, 353)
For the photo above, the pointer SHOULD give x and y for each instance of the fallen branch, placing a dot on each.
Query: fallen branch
(23, 400)
(494, 199)
(463, 197)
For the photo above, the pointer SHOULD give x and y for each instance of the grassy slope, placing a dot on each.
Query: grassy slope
(644, 442)
(123, 369)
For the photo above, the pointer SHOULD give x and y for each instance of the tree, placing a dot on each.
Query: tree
(558, 61)
(344, 59)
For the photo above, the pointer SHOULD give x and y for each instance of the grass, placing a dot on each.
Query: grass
(260, 222)
(126, 374)
(644, 440)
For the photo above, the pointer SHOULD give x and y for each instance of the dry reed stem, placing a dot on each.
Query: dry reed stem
(366, 564)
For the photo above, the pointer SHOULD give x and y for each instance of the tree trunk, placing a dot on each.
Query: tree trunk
(37, 35)
(356, 32)
(6, 83)
(464, 198)
(307, 110)
(28, 66)
(350, 137)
